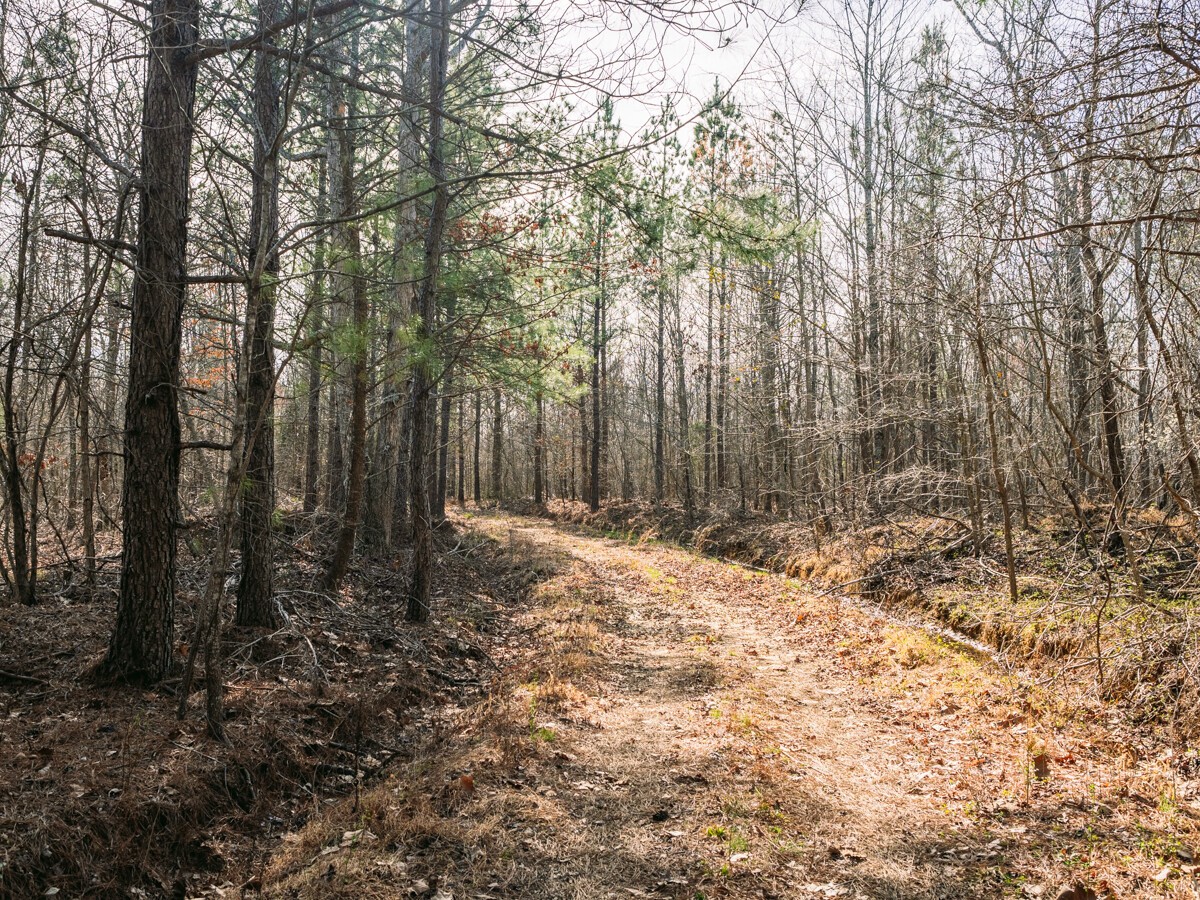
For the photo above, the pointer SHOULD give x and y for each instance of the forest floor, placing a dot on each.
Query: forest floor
(104, 792)
(667, 725)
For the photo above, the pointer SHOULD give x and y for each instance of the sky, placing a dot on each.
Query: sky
(732, 44)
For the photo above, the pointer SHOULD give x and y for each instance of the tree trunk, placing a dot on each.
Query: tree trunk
(497, 445)
(140, 647)
(421, 572)
(87, 483)
(462, 453)
(351, 286)
(660, 391)
(597, 337)
(23, 540)
(312, 446)
(476, 481)
(539, 449)
(709, 449)
(722, 378)
(1145, 413)
(256, 587)
(685, 450)
(998, 473)
(443, 448)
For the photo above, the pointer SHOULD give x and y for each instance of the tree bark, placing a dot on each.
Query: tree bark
(23, 542)
(685, 449)
(140, 647)
(256, 587)
(351, 287)
(476, 480)
(421, 571)
(660, 390)
(462, 453)
(597, 337)
(539, 449)
(443, 448)
(497, 445)
(312, 446)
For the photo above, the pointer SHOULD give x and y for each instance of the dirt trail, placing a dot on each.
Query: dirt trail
(687, 728)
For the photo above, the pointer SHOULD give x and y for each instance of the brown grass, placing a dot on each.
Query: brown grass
(103, 790)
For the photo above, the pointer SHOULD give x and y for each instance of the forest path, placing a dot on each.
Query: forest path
(781, 774)
(674, 726)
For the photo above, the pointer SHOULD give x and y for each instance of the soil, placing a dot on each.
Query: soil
(104, 792)
(667, 725)
(1078, 608)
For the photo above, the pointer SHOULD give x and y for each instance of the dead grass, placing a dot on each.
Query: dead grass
(103, 791)
(1078, 613)
(744, 740)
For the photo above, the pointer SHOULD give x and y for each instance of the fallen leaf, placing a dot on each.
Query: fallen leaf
(1041, 764)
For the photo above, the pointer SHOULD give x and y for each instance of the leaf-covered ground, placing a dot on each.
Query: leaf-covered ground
(105, 793)
(665, 725)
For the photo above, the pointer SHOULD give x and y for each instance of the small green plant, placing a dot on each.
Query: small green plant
(743, 723)
(734, 808)
(537, 732)
(1166, 803)
(1159, 847)
(1071, 860)
(737, 843)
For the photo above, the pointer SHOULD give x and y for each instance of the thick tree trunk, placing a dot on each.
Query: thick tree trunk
(140, 648)
(1109, 411)
(401, 526)
(256, 587)
(421, 572)
(352, 288)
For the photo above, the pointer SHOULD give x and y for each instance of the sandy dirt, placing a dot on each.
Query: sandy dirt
(673, 726)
